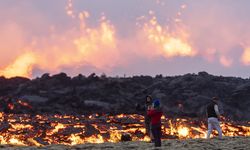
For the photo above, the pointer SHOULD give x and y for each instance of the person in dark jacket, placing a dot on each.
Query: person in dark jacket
(155, 114)
(213, 116)
(145, 108)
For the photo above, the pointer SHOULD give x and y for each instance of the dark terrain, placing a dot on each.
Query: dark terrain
(181, 96)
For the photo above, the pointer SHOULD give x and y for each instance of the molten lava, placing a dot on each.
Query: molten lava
(39, 130)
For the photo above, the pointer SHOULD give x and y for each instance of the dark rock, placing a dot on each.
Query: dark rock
(126, 137)
(180, 96)
(34, 98)
(4, 127)
(41, 141)
(203, 73)
(45, 76)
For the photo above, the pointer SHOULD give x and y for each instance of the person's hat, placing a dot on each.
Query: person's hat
(156, 103)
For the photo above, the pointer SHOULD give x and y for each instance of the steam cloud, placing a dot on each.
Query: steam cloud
(96, 44)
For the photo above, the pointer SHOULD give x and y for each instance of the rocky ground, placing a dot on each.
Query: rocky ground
(181, 96)
(227, 143)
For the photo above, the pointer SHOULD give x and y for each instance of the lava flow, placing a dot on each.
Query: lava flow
(40, 130)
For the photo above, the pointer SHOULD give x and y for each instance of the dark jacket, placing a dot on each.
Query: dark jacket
(144, 109)
(210, 110)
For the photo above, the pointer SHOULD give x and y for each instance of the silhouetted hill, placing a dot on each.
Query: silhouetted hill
(185, 95)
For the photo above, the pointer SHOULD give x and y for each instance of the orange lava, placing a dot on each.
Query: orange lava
(39, 130)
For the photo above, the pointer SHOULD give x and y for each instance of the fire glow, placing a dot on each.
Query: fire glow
(40, 130)
(82, 45)
(168, 44)
(98, 46)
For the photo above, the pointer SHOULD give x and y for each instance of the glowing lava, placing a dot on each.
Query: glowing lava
(39, 130)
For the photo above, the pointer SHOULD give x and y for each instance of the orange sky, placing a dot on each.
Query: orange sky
(158, 37)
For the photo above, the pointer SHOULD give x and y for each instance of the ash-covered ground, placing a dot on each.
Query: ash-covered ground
(227, 143)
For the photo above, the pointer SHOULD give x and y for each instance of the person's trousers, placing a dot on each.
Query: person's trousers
(148, 131)
(213, 123)
(156, 131)
(147, 127)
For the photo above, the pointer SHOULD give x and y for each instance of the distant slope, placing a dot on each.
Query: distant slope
(185, 95)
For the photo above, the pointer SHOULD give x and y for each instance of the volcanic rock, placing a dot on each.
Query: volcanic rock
(126, 137)
(180, 96)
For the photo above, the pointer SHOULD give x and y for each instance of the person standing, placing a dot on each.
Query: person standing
(155, 114)
(213, 117)
(147, 119)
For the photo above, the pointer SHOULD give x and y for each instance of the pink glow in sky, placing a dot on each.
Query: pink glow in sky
(131, 37)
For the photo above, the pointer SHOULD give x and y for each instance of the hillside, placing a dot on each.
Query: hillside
(181, 96)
